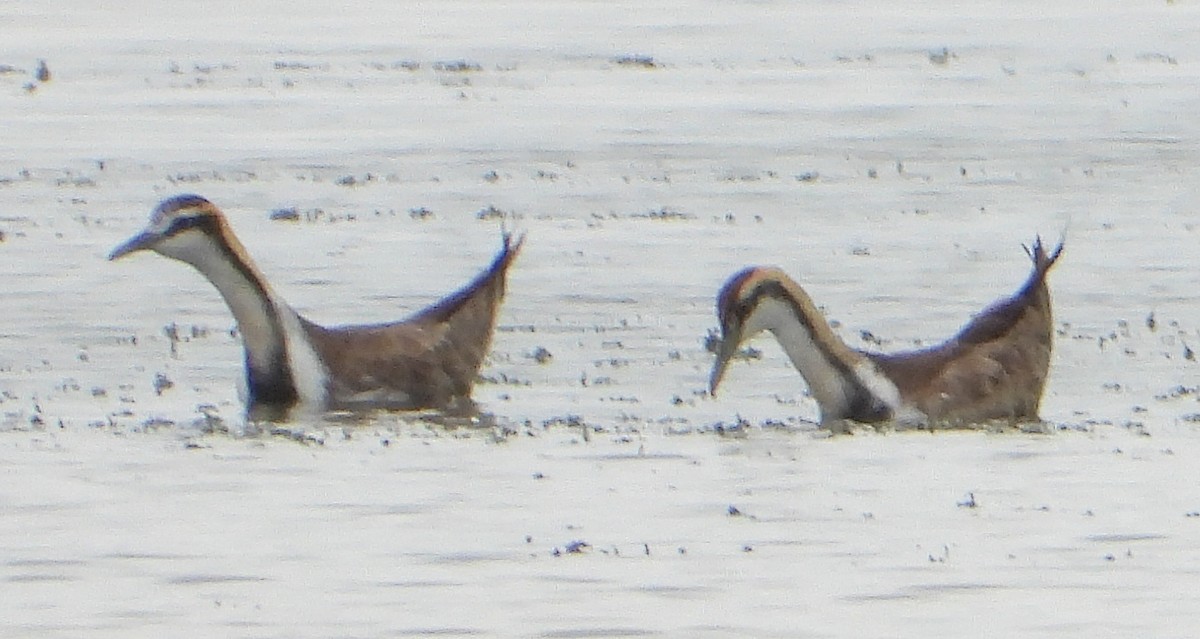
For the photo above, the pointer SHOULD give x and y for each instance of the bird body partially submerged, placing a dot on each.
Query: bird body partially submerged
(995, 368)
(429, 360)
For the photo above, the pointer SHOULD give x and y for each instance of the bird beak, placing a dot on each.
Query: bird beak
(725, 352)
(143, 240)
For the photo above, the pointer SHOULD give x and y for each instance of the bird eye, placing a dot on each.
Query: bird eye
(185, 222)
(743, 308)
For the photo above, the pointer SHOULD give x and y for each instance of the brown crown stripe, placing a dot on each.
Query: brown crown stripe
(427, 361)
(995, 367)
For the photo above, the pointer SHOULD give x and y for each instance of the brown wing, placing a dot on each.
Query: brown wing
(390, 366)
(995, 367)
(429, 360)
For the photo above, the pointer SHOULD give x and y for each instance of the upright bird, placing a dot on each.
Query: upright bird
(995, 368)
(429, 360)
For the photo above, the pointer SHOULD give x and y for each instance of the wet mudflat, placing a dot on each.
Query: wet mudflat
(892, 161)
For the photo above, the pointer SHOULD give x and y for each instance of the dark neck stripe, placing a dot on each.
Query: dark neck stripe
(268, 382)
(862, 405)
(272, 385)
(210, 226)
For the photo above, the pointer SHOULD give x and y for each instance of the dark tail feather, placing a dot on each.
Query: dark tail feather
(1003, 315)
(487, 287)
(1041, 260)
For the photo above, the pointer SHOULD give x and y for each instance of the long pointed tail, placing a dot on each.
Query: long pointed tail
(1042, 261)
(488, 287)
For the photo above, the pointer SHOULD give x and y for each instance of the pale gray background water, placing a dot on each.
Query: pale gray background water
(892, 158)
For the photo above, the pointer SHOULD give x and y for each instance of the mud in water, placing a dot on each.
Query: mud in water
(893, 162)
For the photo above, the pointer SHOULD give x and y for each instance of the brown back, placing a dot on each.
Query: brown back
(995, 367)
(431, 359)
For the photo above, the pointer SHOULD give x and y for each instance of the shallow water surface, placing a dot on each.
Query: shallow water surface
(893, 161)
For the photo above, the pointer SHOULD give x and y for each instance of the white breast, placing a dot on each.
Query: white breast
(308, 371)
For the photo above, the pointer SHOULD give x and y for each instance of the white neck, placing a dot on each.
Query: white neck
(836, 375)
(249, 298)
(272, 333)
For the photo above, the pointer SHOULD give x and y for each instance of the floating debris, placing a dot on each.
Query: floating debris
(290, 214)
(541, 355)
(162, 383)
(637, 60)
(299, 436)
(663, 214)
(574, 547)
(282, 65)
(942, 57)
(491, 213)
(457, 66)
